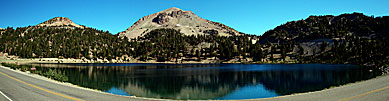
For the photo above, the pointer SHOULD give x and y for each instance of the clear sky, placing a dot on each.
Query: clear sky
(248, 16)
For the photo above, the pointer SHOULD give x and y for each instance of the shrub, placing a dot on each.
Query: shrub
(24, 68)
(56, 75)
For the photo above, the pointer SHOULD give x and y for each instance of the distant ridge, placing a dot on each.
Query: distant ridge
(329, 27)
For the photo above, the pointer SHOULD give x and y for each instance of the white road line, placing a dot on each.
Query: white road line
(5, 96)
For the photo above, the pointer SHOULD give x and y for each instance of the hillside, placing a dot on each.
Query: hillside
(330, 27)
(174, 18)
(59, 38)
(347, 38)
(344, 39)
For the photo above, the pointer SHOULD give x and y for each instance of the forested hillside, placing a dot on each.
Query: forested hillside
(79, 43)
(170, 44)
(347, 38)
(54, 42)
(330, 27)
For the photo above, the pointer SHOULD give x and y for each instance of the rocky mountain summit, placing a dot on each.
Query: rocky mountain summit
(59, 22)
(185, 21)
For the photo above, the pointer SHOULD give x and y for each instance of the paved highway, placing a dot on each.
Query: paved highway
(16, 86)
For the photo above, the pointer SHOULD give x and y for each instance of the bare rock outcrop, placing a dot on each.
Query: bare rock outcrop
(185, 21)
(59, 22)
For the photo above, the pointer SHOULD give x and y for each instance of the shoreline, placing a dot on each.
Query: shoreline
(4, 59)
(13, 60)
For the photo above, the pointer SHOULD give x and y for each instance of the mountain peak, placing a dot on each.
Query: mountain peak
(171, 9)
(186, 21)
(58, 22)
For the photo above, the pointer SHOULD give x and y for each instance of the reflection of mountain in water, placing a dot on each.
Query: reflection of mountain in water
(185, 92)
(209, 83)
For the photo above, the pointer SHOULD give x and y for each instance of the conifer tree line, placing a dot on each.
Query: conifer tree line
(51, 42)
(160, 44)
(348, 38)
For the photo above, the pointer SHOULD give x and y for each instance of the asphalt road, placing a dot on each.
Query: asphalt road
(20, 87)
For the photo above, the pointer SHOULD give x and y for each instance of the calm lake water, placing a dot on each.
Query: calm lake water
(212, 81)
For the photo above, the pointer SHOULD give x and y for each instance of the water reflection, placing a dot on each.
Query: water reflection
(224, 81)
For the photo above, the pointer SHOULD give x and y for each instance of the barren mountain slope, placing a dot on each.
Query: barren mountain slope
(59, 21)
(185, 21)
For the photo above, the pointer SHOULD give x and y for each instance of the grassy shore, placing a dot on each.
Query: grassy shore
(51, 73)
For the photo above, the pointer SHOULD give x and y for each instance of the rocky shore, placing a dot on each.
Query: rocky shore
(13, 59)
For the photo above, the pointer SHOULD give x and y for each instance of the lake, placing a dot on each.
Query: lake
(211, 81)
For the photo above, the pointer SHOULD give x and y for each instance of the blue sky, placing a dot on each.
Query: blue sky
(248, 16)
